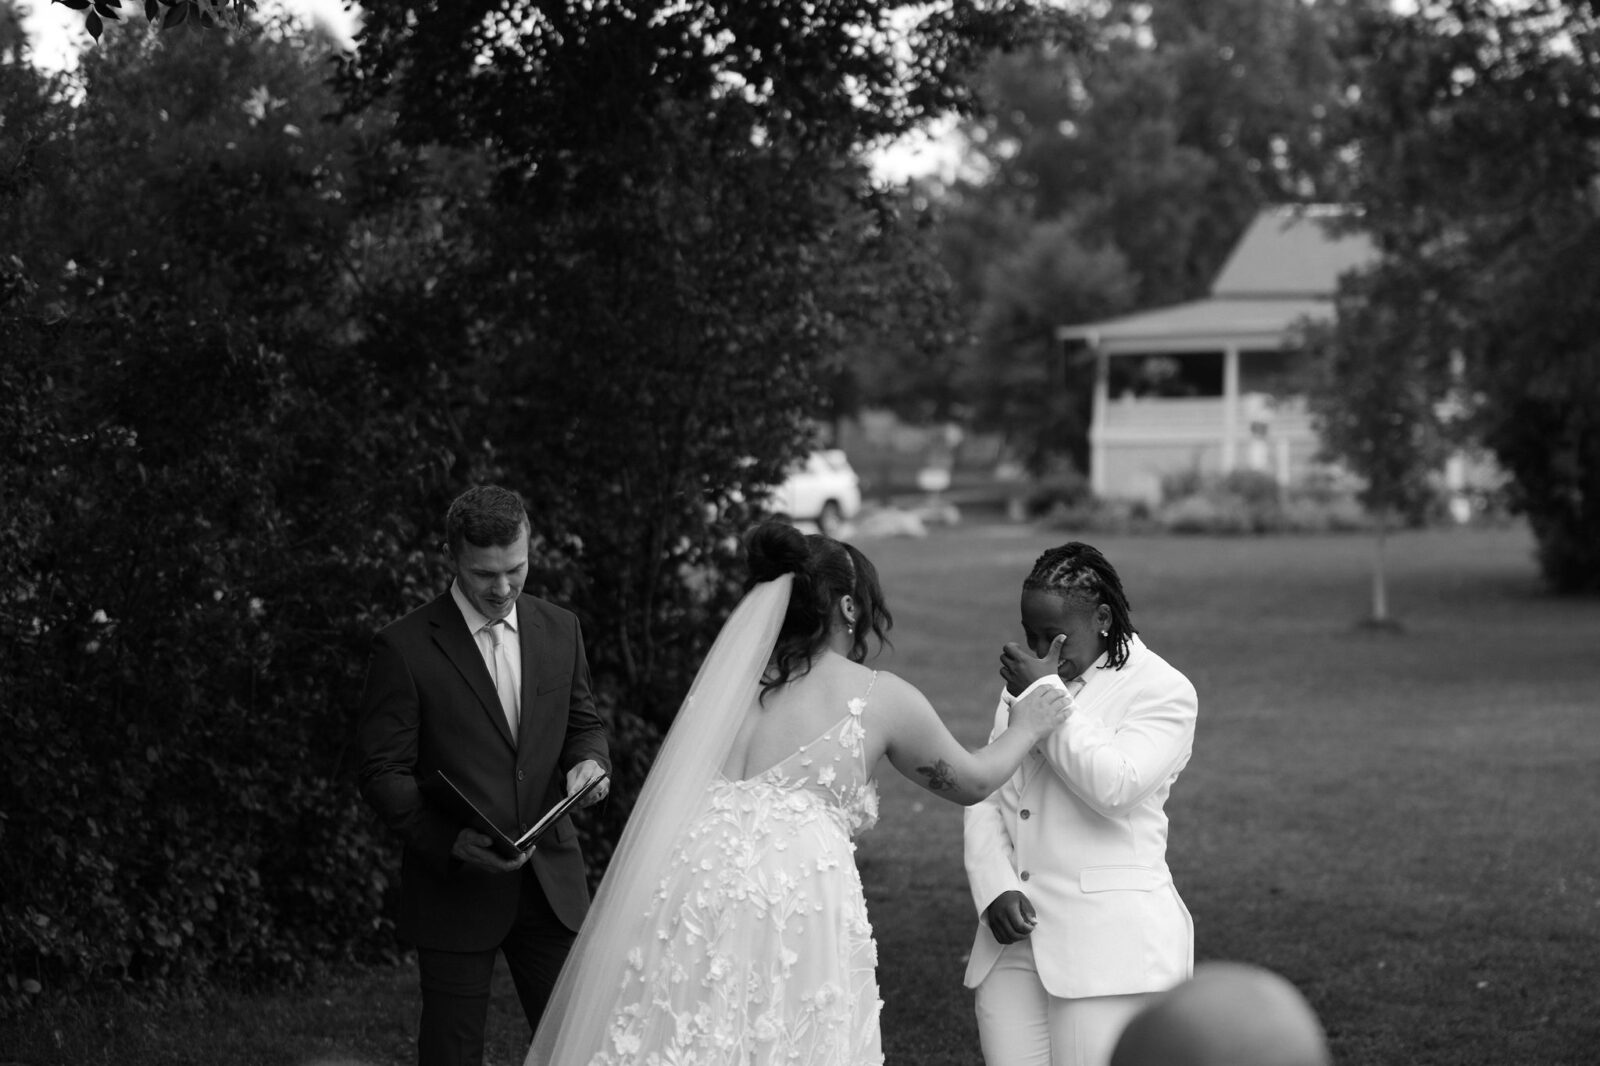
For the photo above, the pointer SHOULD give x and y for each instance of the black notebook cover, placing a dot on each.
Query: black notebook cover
(504, 843)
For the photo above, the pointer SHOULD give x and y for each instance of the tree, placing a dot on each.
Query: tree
(1026, 388)
(1480, 180)
(902, 350)
(242, 406)
(1149, 141)
(167, 14)
(680, 245)
(1166, 136)
(1377, 379)
(210, 501)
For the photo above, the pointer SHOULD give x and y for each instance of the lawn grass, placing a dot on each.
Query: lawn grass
(1405, 824)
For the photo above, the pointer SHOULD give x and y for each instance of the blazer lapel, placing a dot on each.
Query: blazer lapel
(456, 641)
(1106, 682)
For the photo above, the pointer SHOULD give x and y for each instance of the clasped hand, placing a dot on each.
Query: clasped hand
(1041, 712)
(1010, 917)
(476, 849)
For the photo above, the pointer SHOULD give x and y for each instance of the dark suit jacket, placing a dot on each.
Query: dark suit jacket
(430, 704)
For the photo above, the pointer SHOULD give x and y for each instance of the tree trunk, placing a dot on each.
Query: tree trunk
(1380, 588)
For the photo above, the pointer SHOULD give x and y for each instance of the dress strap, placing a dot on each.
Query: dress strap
(857, 748)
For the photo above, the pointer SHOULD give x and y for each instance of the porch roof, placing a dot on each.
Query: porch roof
(1201, 325)
(1285, 268)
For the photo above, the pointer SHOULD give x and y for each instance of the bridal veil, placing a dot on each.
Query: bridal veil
(691, 756)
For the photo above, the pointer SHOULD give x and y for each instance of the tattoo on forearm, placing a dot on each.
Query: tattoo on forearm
(941, 778)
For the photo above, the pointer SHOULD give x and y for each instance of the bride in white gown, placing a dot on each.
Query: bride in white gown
(730, 927)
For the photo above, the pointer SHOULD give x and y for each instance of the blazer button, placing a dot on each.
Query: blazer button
(1024, 814)
(520, 775)
(1024, 875)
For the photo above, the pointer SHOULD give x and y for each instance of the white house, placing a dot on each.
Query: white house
(1212, 384)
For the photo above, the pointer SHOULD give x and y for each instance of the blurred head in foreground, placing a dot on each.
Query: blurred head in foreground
(1227, 1014)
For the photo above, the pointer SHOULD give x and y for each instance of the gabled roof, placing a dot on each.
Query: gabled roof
(1289, 252)
(1285, 268)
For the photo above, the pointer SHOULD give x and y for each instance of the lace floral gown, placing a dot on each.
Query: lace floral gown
(762, 953)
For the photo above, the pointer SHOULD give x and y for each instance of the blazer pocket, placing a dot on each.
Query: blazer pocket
(1122, 878)
(558, 685)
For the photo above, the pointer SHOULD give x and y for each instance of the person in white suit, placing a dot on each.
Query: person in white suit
(1080, 925)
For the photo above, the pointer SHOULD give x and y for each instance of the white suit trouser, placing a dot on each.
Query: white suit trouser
(1020, 1024)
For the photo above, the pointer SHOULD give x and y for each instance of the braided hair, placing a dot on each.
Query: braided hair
(825, 570)
(1079, 574)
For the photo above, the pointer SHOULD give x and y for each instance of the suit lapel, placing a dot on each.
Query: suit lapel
(1105, 682)
(450, 633)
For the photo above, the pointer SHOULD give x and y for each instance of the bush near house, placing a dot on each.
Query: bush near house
(1244, 502)
(1250, 501)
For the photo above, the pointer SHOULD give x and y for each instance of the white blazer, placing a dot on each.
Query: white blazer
(1080, 830)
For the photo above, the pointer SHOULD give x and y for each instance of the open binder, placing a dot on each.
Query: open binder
(504, 843)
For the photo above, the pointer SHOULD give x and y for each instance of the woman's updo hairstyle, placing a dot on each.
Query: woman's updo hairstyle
(773, 549)
(824, 570)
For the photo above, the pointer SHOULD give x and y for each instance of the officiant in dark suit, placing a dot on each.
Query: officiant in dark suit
(491, 687)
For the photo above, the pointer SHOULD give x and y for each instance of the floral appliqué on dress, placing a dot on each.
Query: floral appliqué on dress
(763, 954)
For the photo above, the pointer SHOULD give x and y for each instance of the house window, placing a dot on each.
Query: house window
(1165, 374)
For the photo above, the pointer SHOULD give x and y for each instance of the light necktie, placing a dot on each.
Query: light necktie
(503, 681)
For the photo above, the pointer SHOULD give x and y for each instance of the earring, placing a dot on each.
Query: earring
(1105, 632)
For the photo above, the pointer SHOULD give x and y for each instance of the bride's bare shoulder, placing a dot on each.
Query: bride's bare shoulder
(891, 691)
(881, 687)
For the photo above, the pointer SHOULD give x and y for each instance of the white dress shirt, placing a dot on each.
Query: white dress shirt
(478, 624)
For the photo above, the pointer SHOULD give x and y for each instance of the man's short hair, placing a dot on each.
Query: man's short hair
(485, 516)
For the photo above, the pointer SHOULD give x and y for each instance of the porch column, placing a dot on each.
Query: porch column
(1230, 408)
